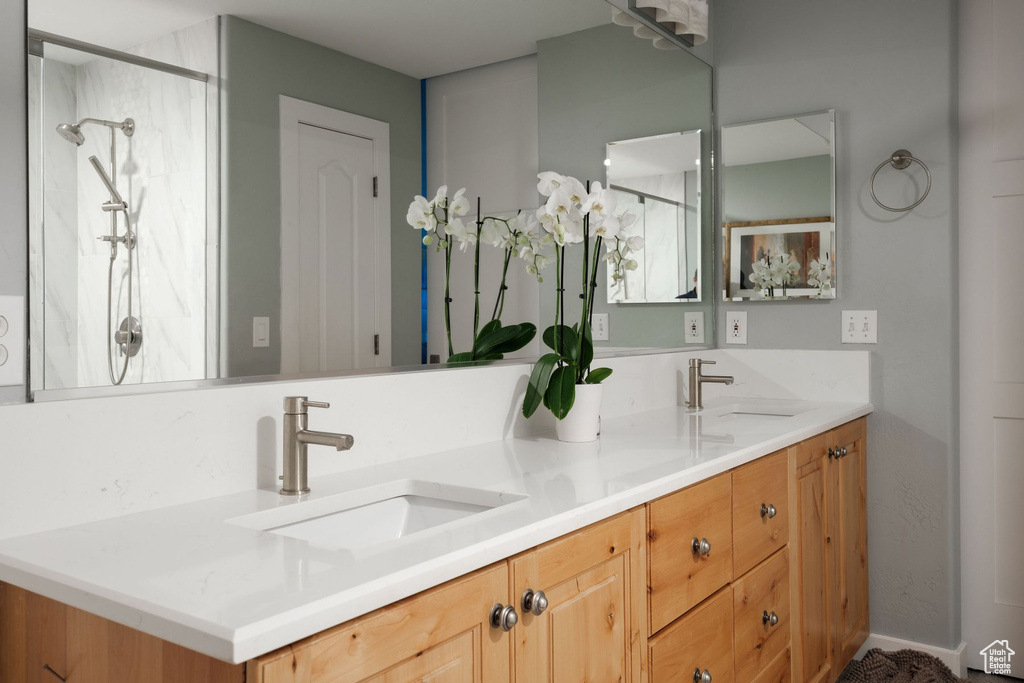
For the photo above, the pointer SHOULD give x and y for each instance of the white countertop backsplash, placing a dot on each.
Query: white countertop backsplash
(81, 460)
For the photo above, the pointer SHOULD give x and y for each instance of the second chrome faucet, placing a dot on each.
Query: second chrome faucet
(694, 398)
(296, 440)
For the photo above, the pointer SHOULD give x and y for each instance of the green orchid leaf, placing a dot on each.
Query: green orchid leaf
(463, 357)
(538, 385)
(491, 356)
(486, 330)
(526, 333)
(493, 342)
(561, 393)
(598, 375)
(569, 339)
(588, 350)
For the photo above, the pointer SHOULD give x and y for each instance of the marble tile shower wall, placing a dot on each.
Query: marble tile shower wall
(162, 173)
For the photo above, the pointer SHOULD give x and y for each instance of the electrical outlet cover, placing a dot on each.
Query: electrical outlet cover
(736, 327)
(693, 325)
(599, 330)
(12, 341)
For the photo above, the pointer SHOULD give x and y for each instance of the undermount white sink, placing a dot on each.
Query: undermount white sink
(375, 515)
(755, 412)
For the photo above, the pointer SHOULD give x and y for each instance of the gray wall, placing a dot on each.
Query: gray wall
(13, 160)
(889, 69)
(602, 85)
(773, 190)
(259, 65)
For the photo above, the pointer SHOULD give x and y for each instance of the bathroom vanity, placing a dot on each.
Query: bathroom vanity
(726, 545)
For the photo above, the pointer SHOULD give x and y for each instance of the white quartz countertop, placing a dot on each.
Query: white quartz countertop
(189, 576)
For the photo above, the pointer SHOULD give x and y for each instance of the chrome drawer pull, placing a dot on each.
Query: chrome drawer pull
(768, 510)
(701, 546)
(770, 619)
(534, 603)
(699, 677)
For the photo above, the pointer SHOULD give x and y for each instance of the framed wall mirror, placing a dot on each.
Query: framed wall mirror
(778, 208)
(658, 179)
(216, 197)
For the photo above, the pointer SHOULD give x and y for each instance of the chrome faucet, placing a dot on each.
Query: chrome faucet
(695, 397)
(296, 440)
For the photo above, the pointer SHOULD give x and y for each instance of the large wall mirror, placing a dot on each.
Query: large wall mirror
(220, 192)
(778, 208)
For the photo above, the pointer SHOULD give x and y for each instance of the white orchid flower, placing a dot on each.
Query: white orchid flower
(819, 274)
(549, 181)
(608, 227)
(576, 190)
(465, 234)
(441, 198)
(635, 243)
(626, 219)
(494, 233)
(559, 204)
(459, 206)
(632, 265)
(421, 214)
(761, 275)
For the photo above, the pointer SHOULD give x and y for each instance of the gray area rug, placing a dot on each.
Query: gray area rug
(903, 666)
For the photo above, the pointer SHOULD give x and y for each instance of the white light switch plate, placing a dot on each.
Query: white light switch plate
(736, 327)
(12, 341)
(860, 327)
(694, 327)
(260, 333)
(599, 330)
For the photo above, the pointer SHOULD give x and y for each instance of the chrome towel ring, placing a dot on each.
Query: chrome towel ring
(900, 160)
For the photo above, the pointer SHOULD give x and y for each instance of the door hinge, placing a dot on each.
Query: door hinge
(376, 344)
(374, 186)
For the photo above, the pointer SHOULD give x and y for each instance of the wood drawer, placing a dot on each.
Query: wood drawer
(764, 482)
(779, 671)
(764, 590)
(679, 577)
(700, 640)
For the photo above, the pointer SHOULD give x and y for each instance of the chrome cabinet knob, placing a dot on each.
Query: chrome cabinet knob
(770, 619)
(699, 677)
(701, 546)
(504, 617)
(833, 453)
(842, 451)
(768, 510)
(534, 603)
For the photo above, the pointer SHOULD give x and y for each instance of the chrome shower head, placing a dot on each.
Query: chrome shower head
(114, 195)
(71, 132)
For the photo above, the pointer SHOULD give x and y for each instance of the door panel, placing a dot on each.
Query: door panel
(701, 640)
(848, 528)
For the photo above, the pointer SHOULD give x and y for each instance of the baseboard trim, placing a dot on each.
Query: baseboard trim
(952, 658)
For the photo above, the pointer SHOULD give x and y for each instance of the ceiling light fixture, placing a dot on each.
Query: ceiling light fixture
(669, 24)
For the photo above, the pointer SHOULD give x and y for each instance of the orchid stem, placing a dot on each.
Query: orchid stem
(499, 303)
(476, 273)
(558, 302)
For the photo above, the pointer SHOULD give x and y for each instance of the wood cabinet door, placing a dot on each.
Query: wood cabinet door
(593, 627)
(36, 632)
(761, 616)
(810, 547)
(442, 635)
(760, 511)
(701, 640)
(681, 578)
(847, 498)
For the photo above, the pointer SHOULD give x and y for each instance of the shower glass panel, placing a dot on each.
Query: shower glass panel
(132, 223)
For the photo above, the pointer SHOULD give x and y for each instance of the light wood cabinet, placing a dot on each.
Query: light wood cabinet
(760, 510)
(681, 576)
(443, 634)
(36, 632)
(761, 616)
(594, 626)
(847, 494)
(829, 539)
(700, 641)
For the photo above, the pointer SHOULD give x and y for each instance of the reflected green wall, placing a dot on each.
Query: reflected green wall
(602, 85)
(775, 190)
(258, 65)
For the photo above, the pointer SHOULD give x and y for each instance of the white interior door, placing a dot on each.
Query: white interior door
(992, 329)
(335, 249)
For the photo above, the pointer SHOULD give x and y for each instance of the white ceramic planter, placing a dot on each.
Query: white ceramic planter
(583, 423)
